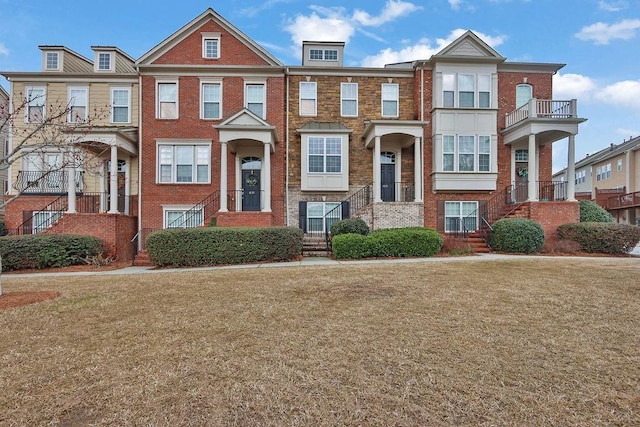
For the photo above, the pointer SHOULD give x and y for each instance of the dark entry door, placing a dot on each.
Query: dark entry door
(250, 190)
(387, 182)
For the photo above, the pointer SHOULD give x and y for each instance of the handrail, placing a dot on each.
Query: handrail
(57, 206)
(355, 203)
(188, 219)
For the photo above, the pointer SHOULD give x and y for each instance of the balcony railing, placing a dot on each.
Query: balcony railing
(46, 182)
(242, 201)
(622, 201)
(543, 108)
(398, 192)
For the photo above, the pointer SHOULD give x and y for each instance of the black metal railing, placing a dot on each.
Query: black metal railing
(199, 213)
(398, 192)
(39, 220)
(46, 181)
(552, 191)
(243, 201)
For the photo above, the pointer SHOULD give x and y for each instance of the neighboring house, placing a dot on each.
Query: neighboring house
(90, 168)
(4, 141)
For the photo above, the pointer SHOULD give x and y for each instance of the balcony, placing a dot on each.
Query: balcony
(549, 120)
(623, 201)
(46, 182)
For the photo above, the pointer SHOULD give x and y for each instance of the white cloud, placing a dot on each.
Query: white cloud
(612, 6)
(573, 86)
(256, 10)
(601, 33)
(455, 4)
(3, 49)
(424, 49)
(392, 9)
(622, 94)
(628, 132)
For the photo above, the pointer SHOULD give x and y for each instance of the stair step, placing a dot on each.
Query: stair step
(142, 260)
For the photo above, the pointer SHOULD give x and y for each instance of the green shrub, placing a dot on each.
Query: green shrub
(3, 229)
(517, 235)
(393, 242)
(599, 237)
(223, 245)
(590, 211)
(46, 251)
(349, 225)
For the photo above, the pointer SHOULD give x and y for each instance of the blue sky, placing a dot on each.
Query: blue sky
(599, 40)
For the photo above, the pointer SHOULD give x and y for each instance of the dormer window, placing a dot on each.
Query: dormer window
(323, 54)
(104, 61)
(211, 46)
(52, 61)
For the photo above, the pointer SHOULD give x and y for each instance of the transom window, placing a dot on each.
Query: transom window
(167, 100)
(184, 217)
(316, 211)
(325, 154)
(120, 104)
(52, 61)
(77, 104)
(390, 100)
(255, 98)
(35, 104)
(462, 154)
(349, 99)
(211, 99)
(458, 216)
(466, 90)
(104, 61)
(308, 98)
(184, 163)
(211, 47)
(522, 155)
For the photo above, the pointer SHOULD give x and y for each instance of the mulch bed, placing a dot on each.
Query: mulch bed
(18, 299)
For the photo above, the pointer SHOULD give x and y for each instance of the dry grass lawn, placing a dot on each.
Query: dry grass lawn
(523, 341)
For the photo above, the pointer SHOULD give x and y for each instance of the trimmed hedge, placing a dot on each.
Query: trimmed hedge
(46, 251)
(349, 225)
(590, 211)
(601, 237)
(393, 242)
(223, 245)
(517, 235)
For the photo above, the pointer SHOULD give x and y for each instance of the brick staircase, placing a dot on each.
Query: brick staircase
(314, 246)
(142, 260)
(475, 240)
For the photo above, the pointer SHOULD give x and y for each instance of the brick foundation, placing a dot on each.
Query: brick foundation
(244, 219)
(552, 214)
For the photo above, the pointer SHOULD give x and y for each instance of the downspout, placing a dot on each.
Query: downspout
(140, 144)
(10, 144)
(286, 156)
(423, 136)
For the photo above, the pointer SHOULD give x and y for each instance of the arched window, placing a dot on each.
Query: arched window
(251, 163)
(524, 92)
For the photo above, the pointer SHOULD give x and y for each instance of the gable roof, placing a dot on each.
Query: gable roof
(198, 22)
(469, 46)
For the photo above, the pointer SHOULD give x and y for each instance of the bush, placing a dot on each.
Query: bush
(456, 246)
(599, 237)
(349, 225)
(393, 242)
(517, 235)
(3, 229)
(223, 245)
(590, 211)
(46, 251)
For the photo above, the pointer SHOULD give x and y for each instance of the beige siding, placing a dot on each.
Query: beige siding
(73, 64)
(123, 64)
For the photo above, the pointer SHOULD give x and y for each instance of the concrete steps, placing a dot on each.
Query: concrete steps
(142, 260)
(313, 246)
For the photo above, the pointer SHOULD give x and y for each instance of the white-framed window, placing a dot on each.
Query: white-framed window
(349, 99)
(105, 62)
(325, 154)
(211, 100)
(524, 92)
(390, 95)
(308, 98)
(466, 90)
(41, 220)
(120, 105)
(522, 155)
(323, 54)
(43, 172)
(184, 163)
(581, 176)
(167, 96)
(78, 98)
(619, 165)
(603, 172)
(254, 98)
(52, 61)
(316, 211)
(34, 101)
(458, 216)
(182, 217)
(461, 153)
(211, 46)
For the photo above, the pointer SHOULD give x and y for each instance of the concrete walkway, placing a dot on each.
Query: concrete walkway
(306, 261)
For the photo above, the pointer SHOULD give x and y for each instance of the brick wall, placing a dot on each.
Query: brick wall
(552, 214)
(245, 219)
(397, 215)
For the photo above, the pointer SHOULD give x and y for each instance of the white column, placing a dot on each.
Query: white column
(532, 168)
(266, 174)
(571, 169)
(127, 185)
(376, 171)
(417, 169)
(223, 177)
(71, 189)
(113, 181)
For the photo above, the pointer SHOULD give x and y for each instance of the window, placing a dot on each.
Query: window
(619, 166)
(120, 105)
(390, 100)
(603, 172)
(323, 54)
(581, 176)
(524, 93)
(254, 98)
(316, 212)
(458, 216)
(35, 104)
(211, 47)
(331, 55)
(349, 99)
(466, 90)
(78, 97)
(460, 154)
(325, 154)
(211, 99)
(315, 54)
(167, 100)
(182, 217)
(183, 163)
(308, 98)
(104, 61)
(522, 155)
(41, 220)
(52, 61)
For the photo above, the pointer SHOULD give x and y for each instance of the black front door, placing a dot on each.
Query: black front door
(387, 182)
(250, 190)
